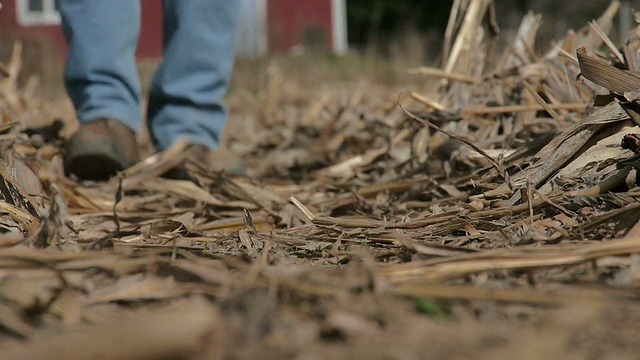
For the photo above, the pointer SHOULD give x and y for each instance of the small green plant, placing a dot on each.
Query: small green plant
(317, 250)
(430, 307)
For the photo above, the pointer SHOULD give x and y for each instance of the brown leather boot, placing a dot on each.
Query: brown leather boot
(194, 153)
(203, 156)
(100, 149)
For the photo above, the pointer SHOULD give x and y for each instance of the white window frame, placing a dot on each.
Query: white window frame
(48, 16)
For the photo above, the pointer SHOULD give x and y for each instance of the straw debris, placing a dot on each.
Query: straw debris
(503, 193)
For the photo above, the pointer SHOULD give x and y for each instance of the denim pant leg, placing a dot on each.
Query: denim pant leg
(187, 89)
(100, 72)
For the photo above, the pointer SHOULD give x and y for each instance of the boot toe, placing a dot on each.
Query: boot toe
(100, 149)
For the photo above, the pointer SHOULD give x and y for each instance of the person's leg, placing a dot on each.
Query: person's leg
(102, 82)
(100, 72)
(188, 87)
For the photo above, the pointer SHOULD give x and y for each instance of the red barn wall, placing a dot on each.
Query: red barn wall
(50, 39)
(150, 42)
(42, 37)
(291, 21)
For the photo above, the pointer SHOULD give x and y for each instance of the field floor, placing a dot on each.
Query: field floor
(384, 214)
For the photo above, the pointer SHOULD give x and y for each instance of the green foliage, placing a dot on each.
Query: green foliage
(431, 308)
(376, 20)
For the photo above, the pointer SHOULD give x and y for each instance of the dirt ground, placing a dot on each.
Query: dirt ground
(358, 232)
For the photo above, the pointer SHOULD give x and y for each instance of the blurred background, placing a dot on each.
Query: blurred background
(379, 36)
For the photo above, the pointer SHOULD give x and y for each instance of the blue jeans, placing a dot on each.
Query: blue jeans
(186, 92)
